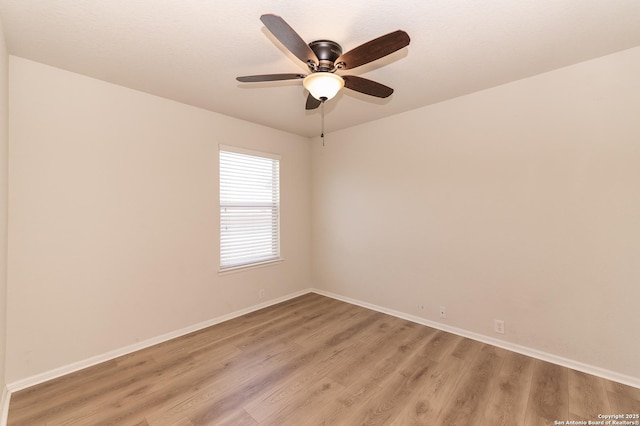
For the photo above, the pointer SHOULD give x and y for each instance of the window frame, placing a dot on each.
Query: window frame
(277, 256)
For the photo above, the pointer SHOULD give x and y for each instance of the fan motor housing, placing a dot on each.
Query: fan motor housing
(327, 52)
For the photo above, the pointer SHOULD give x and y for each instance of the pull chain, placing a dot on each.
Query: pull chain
(322, 114)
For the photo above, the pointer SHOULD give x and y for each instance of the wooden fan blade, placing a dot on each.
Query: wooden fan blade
(312, 103)
(269, 77)
(374, 49)
(366, 86)
(289, 38)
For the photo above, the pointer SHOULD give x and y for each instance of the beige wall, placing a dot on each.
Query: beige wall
(520, 203)
(4, 102)
(113, 234)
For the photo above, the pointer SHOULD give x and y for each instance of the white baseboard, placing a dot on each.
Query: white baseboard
(76, 366)
(4, 406)
(534, 353)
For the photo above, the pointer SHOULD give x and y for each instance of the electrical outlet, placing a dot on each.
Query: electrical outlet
(498, 326)
(443, 312)
(261, 294)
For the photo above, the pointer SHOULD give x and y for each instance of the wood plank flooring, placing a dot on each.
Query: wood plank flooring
(314, 360)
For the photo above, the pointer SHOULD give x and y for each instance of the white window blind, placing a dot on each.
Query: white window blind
(249, 208)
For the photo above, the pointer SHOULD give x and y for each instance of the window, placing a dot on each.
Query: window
(249, 208)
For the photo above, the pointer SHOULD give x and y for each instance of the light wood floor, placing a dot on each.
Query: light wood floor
(314, 360)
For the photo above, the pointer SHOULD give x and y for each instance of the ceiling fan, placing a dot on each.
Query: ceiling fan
(325, 57)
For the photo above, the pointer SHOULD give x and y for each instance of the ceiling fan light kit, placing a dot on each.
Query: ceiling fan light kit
(325, 57)
(323, 85)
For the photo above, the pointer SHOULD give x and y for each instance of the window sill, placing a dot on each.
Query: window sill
(240, 268)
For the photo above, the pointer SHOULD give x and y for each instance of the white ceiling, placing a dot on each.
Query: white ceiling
(192, 50)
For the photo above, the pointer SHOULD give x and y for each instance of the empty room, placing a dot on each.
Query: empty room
(216, 212)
